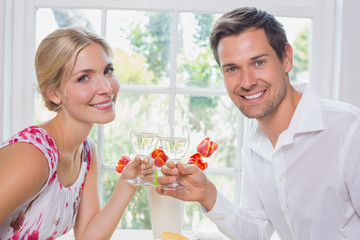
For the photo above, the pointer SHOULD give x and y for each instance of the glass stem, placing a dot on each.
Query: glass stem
(139, 169)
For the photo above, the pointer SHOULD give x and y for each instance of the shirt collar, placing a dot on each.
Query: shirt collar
(307, 118)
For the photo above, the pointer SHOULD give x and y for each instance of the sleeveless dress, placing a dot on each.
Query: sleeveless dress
(52, 212)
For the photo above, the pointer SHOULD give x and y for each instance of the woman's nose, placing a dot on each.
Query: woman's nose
(105, 85)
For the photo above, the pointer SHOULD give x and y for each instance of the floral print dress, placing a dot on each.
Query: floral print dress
(52, 212)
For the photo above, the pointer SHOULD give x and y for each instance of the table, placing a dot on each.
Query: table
(121, 234)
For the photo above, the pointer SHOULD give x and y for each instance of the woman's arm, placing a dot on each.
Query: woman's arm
(23, 172)
(90, 218)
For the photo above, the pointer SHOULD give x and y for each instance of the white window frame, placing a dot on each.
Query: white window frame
(17, 109)
(2, 62)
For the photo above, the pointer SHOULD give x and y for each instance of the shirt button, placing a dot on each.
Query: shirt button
(281, 177)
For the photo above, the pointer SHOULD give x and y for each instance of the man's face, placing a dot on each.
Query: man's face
(255, 78)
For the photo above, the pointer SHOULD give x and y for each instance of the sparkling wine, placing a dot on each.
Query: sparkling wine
(175, 147)
(144, 143)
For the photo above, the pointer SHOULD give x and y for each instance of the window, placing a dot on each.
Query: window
(167, 72)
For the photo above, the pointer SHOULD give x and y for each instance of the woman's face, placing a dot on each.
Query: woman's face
(89, 94)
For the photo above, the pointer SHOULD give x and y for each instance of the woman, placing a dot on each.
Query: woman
(48, 172)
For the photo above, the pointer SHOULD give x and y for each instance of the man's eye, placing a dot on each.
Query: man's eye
(231, 69)
(259, 63)
(83, 79)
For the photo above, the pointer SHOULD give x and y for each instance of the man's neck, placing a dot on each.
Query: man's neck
(279, 120)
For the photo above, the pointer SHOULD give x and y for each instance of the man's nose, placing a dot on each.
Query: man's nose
(248, 79)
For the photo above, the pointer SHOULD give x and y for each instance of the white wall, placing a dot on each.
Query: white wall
(349, 68)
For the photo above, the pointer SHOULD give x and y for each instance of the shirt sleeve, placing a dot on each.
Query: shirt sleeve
(352, 164)
(246, 222)
(230, 220)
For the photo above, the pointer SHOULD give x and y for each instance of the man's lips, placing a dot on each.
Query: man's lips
(254, 96)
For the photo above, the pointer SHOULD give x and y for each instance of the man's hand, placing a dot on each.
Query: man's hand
(201, 189)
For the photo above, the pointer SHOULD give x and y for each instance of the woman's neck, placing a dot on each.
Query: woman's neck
(68, 134)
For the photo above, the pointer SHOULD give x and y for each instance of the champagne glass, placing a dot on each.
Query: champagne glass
(175, 141)
(144, 136)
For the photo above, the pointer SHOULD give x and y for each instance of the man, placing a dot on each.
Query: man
(301, 156)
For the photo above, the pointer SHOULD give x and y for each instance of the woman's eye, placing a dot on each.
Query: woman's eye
(83, 79)
(109, 71)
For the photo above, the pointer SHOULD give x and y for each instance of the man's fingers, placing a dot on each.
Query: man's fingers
(170, 164)
(169, 171)
(165, 180)
(170, 193)
(187, 169)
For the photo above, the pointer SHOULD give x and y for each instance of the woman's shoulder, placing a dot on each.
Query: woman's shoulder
(24, 168)
(34, 135)
(36, 141)
(25, 158)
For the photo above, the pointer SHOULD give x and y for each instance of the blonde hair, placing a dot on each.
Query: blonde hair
(56, 55)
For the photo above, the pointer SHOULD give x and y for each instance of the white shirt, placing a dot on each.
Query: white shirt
(308, 186)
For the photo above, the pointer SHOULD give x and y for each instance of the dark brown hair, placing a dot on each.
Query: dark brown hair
(242, 19)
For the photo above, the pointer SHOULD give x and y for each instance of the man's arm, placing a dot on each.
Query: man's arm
(234, 222)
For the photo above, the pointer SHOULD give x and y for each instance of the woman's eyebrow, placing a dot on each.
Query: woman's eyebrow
(83, 71)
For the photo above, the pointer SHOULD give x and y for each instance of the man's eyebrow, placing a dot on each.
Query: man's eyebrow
(259, 56)
(252, 59)
(228, 65)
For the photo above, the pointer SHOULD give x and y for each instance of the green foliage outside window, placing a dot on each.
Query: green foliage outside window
(300, 55)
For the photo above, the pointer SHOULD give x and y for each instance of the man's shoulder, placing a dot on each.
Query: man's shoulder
(340, 108)
(340, 115)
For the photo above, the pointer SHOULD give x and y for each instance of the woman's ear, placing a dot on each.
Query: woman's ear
(53, 94)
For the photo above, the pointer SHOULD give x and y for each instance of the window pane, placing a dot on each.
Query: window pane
(194, 219)
(47, 20)
(42, 114)
(196, 66)
(215, 117)
(298, 31)
(130, 106)
(142, 46)
(137, 214)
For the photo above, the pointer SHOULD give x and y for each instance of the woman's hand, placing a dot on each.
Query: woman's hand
(147, 169)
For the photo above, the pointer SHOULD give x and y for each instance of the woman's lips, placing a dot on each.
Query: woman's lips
(103, 105)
